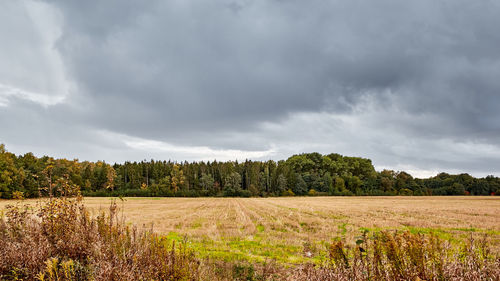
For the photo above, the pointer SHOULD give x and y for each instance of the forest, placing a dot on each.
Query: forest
(308, 174)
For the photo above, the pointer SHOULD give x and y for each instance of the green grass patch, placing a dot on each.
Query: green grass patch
(253, 249)
(174, 236)
(260, 228)
(260, 248)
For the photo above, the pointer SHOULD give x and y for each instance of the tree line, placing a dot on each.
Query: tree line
(304, 174)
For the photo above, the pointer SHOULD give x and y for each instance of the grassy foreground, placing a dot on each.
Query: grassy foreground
(247, 239)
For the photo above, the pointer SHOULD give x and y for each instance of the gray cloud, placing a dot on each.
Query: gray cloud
(418, 74)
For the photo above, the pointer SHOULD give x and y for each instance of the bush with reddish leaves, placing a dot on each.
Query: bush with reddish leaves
(61, 241)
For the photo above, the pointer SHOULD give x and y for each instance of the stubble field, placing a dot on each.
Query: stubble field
(292, 230)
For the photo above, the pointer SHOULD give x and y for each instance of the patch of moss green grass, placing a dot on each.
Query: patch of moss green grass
(259, 249)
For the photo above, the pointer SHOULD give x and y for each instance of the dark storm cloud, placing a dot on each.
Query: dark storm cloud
(163, 67)
(221, 73)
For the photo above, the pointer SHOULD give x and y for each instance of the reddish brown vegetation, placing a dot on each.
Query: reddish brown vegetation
(64, 243)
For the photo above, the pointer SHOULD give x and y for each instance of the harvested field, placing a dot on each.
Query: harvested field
(297, 229)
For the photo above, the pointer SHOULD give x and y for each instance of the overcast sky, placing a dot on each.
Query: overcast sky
(412, 85)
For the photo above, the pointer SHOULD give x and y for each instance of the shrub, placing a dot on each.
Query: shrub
(311, 192)
(61, 241)
(405, 192)
(288, 192)
(404, 256)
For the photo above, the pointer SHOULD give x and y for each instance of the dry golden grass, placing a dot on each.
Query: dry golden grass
(292, 229)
